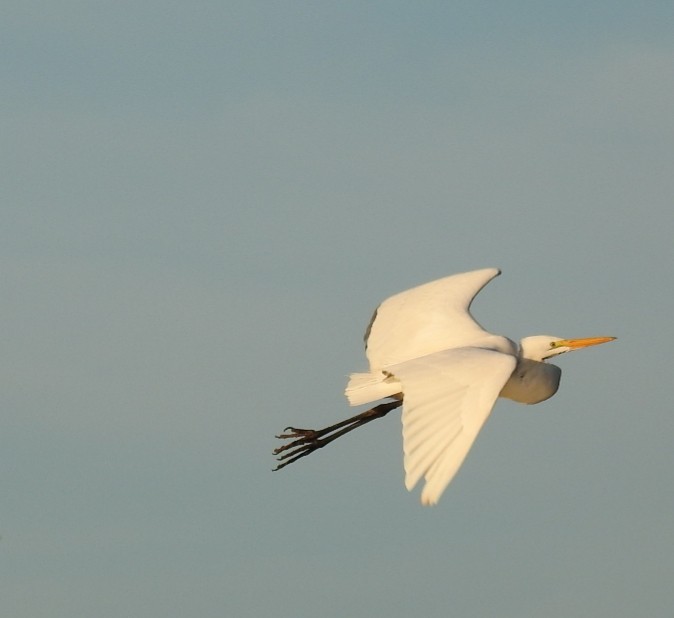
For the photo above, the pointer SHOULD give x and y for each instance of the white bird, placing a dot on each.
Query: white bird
(427, 352)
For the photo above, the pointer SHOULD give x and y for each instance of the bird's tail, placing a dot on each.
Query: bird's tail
(366, 387)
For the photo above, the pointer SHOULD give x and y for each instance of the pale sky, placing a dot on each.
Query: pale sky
(202, 205)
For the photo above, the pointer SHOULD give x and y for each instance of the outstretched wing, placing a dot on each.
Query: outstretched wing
(426, 319)
(447, 397)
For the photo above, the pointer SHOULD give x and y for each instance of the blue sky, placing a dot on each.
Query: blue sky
(203, 203)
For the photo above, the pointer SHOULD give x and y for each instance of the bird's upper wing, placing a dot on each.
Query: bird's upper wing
(426, 319)
(447, 397)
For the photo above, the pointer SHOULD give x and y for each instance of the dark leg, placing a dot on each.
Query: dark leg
(305, 441)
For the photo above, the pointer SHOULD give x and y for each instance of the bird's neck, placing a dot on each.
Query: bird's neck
(532, 381)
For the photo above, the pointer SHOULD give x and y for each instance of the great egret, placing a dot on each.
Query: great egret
(429, 354)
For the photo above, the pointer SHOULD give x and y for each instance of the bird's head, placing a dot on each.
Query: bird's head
(542, 347)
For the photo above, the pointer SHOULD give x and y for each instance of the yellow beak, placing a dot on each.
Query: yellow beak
(576, 344)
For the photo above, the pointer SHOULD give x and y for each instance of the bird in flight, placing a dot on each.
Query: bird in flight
(427, 353)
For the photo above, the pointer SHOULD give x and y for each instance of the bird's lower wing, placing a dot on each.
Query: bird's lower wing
(447, 397)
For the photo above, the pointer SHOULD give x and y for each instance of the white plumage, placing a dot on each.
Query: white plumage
(426, 350)
(424, 345)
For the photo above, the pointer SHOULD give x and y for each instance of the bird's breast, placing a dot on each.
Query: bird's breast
(532, 382)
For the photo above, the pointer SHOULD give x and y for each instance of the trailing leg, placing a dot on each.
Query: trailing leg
(306, 441)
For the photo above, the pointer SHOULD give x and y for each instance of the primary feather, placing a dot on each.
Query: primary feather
(448, 396)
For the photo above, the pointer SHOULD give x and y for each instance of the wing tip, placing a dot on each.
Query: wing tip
(428, 499)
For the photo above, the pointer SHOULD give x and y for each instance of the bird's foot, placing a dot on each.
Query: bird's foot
(304, 441)
(308, 434)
